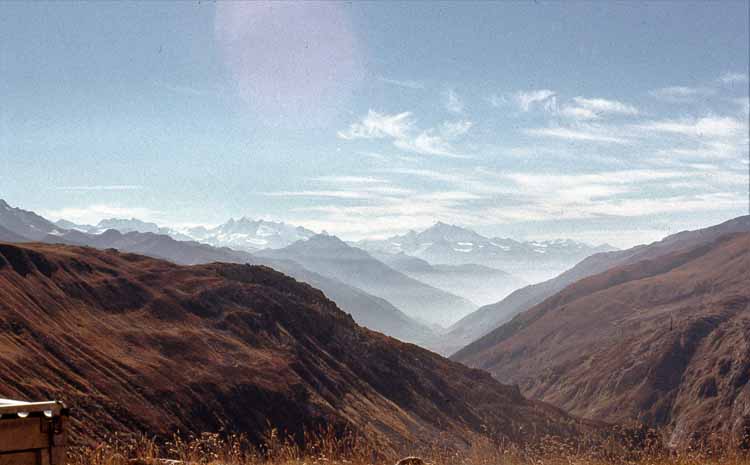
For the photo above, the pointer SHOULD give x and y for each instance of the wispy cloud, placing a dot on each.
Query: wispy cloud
(538, 198)
(730, 78)
(454, 129)
(453, 102)
(592, 108)
(712, 149)
(497, 100)
(403, 83)
(401, 129)
(479, 196)
(103, 187)
(661, 205)
(709, 126)
(477, 180)
(427, 143)
(579, 113)
(642, 165)
(348, 188)
(389, 216)
(601, 194)
(364, 185)
(449, 195)
(526, 100)
(350, 179)
(338, 194)
(584, 134)
(378, 126)
(601, 105)
(681, 94)
(542, 181)
(424, 173)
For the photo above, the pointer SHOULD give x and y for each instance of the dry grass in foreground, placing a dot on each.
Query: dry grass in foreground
(327, 448)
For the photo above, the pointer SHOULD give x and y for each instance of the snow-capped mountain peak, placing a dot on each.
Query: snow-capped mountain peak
(447, 232)
(449, 244)
(250, 234)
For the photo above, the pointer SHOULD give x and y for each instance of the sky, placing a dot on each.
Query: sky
(601, 121)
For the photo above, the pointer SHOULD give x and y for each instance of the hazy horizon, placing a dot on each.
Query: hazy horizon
(525, 120)
(186, 227)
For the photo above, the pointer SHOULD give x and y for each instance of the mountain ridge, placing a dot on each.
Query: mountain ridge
(368, 309)
(330, 256)
(474, 326)
(446, 244)
(250, 235)
(662, 340)
(271, 342)
(25, 223)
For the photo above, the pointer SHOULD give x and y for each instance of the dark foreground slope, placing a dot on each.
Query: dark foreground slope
(665, 341)
(136, 344)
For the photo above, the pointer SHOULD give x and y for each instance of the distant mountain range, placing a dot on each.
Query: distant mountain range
(476, 283)
(441, 244)
(137, 345)
(367, 309)
(453, 245)
(483, 321)
(153, 245)
(124, 226)
(242, 234)
(661, 337)
(330, 256)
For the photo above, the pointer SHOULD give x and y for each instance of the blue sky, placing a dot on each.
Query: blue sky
(604, 122)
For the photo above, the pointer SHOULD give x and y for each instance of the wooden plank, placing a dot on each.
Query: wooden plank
(59, 457)
(22, 434)
(21, 458)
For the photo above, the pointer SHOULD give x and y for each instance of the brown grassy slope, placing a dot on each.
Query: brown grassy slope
(664, 341)
(136, 344)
